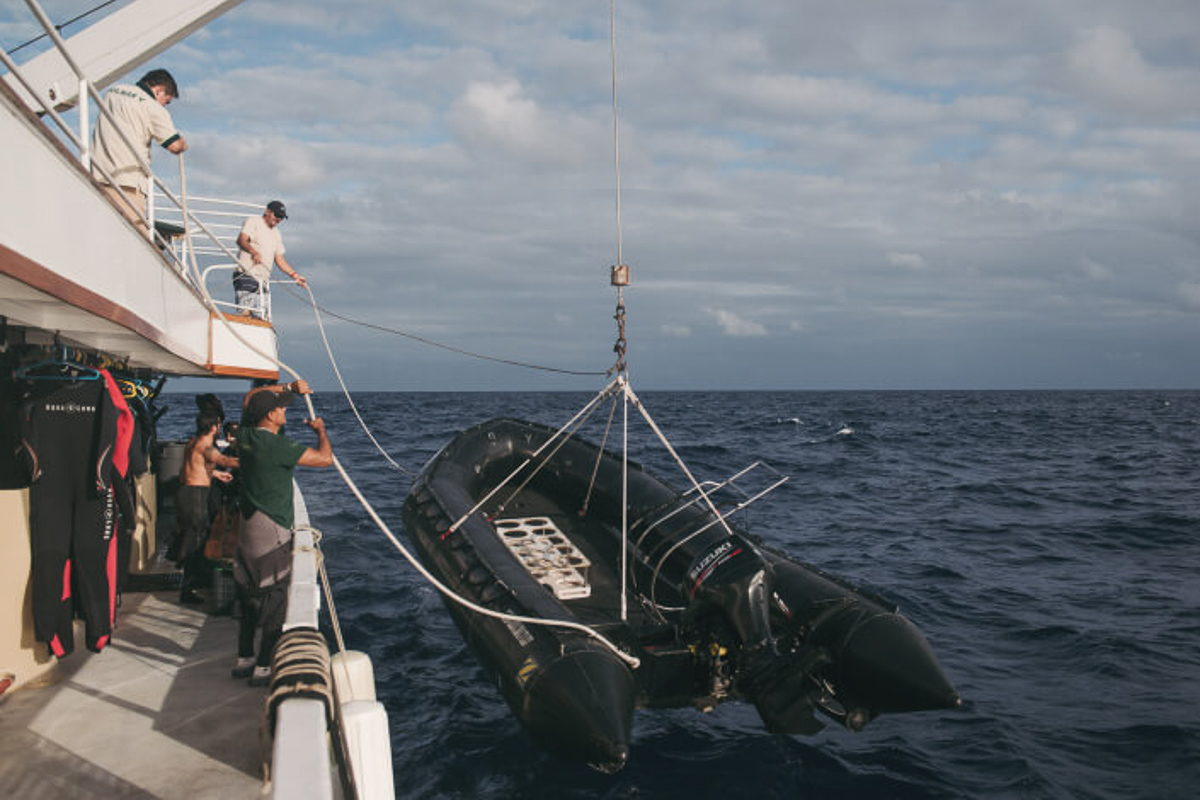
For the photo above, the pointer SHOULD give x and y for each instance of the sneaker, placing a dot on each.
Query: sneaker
(189, 597)
(243, 668)
(261, 676)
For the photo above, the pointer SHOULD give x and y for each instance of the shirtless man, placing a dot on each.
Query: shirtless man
(201, 463)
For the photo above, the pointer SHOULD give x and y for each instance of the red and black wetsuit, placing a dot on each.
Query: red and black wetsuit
(75, 435)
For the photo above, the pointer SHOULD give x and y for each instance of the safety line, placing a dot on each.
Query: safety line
(450, 348)
(60, 27)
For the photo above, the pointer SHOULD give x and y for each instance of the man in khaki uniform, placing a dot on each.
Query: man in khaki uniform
(141, 113)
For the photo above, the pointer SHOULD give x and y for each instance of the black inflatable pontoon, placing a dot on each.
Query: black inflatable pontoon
(711, 615)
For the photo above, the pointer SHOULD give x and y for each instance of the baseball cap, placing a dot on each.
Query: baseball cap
(264, 402)
(277, 208)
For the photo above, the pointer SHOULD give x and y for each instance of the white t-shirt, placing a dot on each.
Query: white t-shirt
(266, 241)
(144, 120)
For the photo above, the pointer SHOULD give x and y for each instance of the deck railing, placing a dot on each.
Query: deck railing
(210, 228)
(222, 218)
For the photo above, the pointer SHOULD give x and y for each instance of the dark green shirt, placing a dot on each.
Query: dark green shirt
(267, 462)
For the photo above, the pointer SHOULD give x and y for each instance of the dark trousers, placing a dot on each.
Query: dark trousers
(192, 521)
(266, 610)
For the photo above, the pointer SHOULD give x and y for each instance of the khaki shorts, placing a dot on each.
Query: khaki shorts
(137, 197)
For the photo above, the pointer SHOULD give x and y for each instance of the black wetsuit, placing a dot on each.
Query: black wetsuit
(70, 438)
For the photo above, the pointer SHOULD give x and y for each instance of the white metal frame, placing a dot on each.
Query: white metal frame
(162, 204)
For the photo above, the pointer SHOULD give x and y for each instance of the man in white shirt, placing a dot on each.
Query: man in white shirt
(141, 114)
(260, 247)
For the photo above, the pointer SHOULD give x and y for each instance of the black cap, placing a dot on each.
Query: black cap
(265, 401)
(210, 402)
(277, 208)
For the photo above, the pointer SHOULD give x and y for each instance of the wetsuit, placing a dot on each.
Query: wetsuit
(71, 433)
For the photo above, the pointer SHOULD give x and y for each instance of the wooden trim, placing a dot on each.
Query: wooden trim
(242, 372)
(243, 319)
(32, 274)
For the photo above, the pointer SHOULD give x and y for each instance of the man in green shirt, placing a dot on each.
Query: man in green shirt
(262, 564)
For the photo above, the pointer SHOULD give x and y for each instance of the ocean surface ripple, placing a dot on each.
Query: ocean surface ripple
(1047, 544)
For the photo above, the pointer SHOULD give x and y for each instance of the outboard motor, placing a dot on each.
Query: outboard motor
(733, 579)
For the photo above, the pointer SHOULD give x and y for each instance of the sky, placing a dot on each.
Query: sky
(934, 194)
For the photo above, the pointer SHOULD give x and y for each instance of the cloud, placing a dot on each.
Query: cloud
(1189, 293)
(907, 260)
(1107, 66)
(734, 325)
(897, 179)
(498, 117)
(1095, 270)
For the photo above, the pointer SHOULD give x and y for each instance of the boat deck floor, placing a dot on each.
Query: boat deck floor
(156, 715)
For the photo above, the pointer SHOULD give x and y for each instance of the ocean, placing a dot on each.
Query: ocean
(1046, 543)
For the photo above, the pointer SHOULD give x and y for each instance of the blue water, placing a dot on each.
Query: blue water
(1047, 543)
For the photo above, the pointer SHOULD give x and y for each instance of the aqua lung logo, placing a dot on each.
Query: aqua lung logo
(109, 515)
(70, 408)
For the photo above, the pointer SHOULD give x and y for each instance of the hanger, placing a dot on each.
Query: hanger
(131, 388)
(60, 368)
(54, 370)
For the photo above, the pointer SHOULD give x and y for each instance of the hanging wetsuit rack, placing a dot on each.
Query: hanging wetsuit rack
(57, 369)
(86, 364)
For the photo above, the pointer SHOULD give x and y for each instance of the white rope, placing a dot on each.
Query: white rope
(326, 587)
(632, 661)
(346, 391)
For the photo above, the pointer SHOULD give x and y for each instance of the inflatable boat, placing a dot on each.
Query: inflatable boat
(689, 612)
